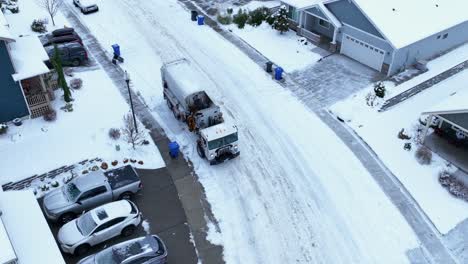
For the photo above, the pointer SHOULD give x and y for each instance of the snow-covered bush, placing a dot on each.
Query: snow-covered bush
(114, 133)
(240, 19)
(423, 155)
(224, 19)
(453, 185)
(379, 89)
(76, 83)
(54, 184)
(230, 11)
(280, 20)
(403, 135)
(257, 16)
(3, 128)
(38, 25)
(50, 115)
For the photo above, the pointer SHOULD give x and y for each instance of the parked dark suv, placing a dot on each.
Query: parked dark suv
(58, 36)
(72, 54)
(63, 31)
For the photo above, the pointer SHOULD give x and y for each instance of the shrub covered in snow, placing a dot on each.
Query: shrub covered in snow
(39, 25)
(50, 115)
(280, 20)
(379, 89)
(240, 19)
(403, 135)
(257, 16)
(76, 83)
(3, 128)
(114, 133)
(423, 155)
(453, 185)
(224, 19)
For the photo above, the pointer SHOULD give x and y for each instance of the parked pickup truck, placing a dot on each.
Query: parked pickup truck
(89, 191)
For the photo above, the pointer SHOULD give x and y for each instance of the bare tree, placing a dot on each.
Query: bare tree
(51, 6)
(132, 135)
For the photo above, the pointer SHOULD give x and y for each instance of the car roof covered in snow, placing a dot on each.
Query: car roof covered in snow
(403, 22)
(27, 228)
(111, 210)
(456, 103)
(218, 131)
(5, 29)
(300, 4)
(188, 78)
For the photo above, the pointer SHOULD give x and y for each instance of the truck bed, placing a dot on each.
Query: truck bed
(122, 176)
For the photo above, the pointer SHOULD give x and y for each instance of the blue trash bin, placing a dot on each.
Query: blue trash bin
(173, 149)
(116, 49)
(278, 73)
(200, 20)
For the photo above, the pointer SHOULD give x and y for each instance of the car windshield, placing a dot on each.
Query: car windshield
(217, 143)
(71, 191)
(85, 224)
(106, 257)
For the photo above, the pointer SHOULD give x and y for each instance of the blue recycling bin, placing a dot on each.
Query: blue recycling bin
(173, 149)
(116, 49)
(200, 20)
(278, 73)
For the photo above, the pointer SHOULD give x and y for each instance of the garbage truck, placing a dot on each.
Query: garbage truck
(184, 89)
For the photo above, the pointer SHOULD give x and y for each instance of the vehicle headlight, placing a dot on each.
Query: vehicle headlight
(235, 147)
(212, 155)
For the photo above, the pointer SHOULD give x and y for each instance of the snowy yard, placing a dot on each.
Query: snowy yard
(287, 188)
(380, 129)
(39, 146)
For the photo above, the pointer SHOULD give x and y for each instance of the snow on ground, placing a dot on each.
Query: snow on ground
(284, 49)
(82, 134)
(287, 198)
(39, 146)
(380, 129)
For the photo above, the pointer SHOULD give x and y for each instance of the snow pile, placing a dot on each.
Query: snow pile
(380, 130)
(146, 226)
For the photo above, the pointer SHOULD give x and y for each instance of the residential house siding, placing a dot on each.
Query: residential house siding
(12, 101)
(429, 47)
(312, 24)
(348, 13)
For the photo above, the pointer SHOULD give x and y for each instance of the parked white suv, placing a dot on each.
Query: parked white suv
(98, 225)
(86, 6)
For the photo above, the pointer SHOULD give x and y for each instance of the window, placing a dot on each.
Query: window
(445, 36)
(438, 37)
(324, 23)
(91, 193)
(292, 13)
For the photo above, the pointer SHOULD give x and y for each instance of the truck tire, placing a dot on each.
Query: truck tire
(82, 249)
(200, 151)
(126, 196)
(76, 62)
(66, 217)
(128, 231)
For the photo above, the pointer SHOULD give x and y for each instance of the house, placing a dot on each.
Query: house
(449, 119)
(25, 237)
(27, 84)
(387, 36)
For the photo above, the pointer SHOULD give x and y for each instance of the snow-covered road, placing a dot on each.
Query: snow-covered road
(296, 194)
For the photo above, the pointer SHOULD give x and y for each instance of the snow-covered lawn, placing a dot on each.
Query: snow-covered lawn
(287, 198)
(39, 146)
(380, 129)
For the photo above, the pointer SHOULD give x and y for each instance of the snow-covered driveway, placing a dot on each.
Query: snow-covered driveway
(296, 194)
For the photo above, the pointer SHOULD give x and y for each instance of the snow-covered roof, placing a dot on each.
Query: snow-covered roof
(5, 29)
(404, 22)
(113, 210)
(28, 56)
(27, 228)
(7, 254)
(300, 4)
(455, 103)
(219, 131)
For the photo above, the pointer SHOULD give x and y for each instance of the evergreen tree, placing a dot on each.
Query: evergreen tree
(281, 22)
(57, 63)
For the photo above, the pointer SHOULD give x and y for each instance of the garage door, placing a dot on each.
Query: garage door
(362, 52)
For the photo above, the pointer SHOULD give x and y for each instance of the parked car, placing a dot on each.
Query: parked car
(90, 190)
(99, 225)
(144, 250)
(50, 40)
(72, 54)
(86, 6)
(63, 31)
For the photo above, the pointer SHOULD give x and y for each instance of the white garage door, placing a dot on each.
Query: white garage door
(362, 52)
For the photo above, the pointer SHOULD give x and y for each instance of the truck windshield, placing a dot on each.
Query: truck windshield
(220, 142)
(71, 191)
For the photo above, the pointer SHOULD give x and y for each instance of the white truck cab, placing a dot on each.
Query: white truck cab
(218, 143)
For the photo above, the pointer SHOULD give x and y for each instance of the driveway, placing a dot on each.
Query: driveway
(162, 209)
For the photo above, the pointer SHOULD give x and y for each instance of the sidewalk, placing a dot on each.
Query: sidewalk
(190, 191)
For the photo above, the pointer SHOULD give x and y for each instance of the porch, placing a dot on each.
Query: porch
(38, 96)
(448, 150)
(317, 28)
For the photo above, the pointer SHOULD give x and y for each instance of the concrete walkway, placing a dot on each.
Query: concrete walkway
(433, 249)
(190, 191)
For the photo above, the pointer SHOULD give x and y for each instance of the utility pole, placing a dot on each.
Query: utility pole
(127, 80)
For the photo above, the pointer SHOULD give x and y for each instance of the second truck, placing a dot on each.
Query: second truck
(184, 91)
